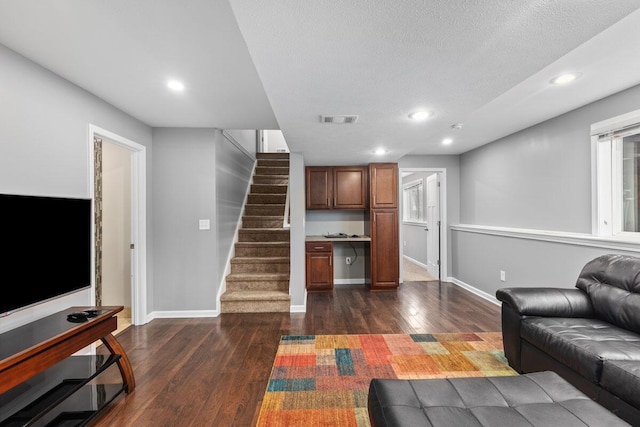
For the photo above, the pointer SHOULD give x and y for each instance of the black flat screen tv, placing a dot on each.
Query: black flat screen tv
(46, 249)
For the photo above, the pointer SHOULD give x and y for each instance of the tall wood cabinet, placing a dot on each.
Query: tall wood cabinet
(338, 187)
(383, 222)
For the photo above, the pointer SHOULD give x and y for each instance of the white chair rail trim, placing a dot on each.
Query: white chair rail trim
(626, 243)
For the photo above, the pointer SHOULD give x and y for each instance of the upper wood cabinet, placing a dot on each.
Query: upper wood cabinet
(350, 187)
(383, 185)
(339, 187)
(319, 187)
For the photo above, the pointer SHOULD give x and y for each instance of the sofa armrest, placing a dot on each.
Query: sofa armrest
(518, 303)
(548, 302)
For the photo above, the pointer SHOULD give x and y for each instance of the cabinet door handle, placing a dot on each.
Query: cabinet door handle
(318, 247)
(330, 261)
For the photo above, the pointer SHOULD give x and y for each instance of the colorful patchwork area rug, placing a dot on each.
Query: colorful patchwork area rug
(323, 380)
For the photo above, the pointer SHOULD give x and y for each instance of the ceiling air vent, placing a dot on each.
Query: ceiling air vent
(338, 119)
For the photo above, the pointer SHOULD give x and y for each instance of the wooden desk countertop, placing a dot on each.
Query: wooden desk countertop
(361, 238)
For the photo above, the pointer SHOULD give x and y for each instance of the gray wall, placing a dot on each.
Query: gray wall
(479, 258)
(451, 164)
(537, 179)
(198, 174)
(246, 139)
(44, 146)
(184, 192)
(297, 281)
(233, 169)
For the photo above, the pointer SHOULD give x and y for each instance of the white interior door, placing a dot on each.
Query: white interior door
(433, 225)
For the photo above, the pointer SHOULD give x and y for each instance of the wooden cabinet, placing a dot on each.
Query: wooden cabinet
(339, 187)
(385, 264)
(383, 185)
(319, 187)
(319, 263)
(383, 218)
(350, 187)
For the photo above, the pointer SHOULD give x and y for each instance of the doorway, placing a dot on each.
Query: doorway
(423, 239)
(432, 226)
(118, 191)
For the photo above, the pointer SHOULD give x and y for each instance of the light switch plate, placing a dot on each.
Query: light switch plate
(204, 224)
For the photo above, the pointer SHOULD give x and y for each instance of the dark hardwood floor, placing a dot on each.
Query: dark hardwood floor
(214, 371)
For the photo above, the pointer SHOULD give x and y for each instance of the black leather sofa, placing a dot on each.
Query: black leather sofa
(589, 335)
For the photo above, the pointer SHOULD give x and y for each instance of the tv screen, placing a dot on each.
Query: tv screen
(46, 249)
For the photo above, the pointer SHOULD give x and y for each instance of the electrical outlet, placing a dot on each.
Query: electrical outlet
(503, 276)
(348, 260)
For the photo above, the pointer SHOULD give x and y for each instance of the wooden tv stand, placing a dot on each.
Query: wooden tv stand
(47, 345)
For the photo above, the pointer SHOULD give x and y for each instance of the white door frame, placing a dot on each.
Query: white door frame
(444, 227)
(138, 219)
(433, 239)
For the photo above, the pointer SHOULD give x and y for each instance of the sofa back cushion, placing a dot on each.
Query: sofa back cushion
(613, 285)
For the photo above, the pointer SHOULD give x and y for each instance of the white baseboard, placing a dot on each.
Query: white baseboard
(476, 291)
(361, 281)
(298, 309)
(187, 314)
(415, 261)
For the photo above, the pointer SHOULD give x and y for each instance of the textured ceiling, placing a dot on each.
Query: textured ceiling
(383, 59)
(281, 64)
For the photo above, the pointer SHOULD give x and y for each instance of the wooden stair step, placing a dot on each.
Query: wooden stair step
(262, 249)
(254, 221)
(240, 282)
(266, 199)
(260, 265)
(255, 302)
(266, 170)
(268, 189)
(256, 296)
(257, 277)
(283, 163)
(272, 155)
(265, 245)
(263, 234)
(260, 260)
(271, 179)
(264, 209)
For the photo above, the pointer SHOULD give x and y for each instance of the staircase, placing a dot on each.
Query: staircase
(259, 278)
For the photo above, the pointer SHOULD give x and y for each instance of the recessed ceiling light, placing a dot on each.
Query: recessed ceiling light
(380, 152)
(420, 115)
(447, 141)
(563, 79)
(175, 85)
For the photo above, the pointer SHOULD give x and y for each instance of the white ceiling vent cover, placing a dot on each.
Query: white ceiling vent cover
(338, 119)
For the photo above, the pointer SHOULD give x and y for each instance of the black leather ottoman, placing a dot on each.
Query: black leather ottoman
(536, 399)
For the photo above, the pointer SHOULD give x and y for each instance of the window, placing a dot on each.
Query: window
(630, 187)
(413, 199)
(617, 175)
